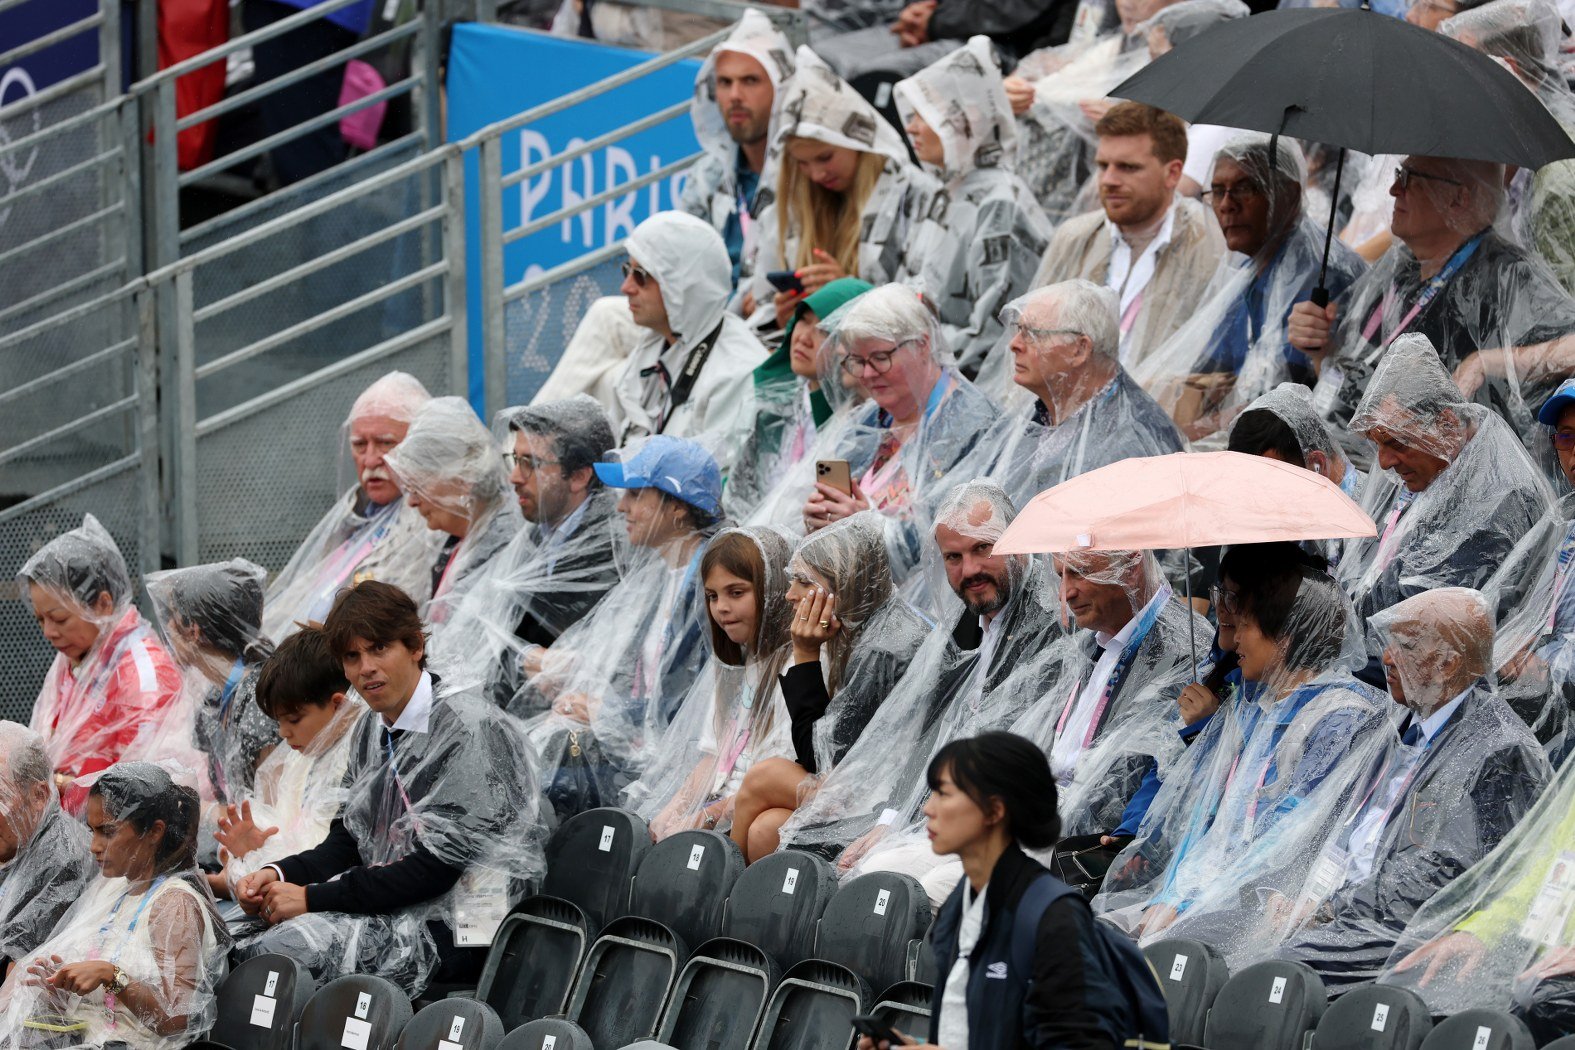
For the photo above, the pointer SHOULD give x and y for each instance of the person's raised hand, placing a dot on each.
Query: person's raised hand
(784, 303)
(821, 272)
(1196, 703)
(1309, 327)
(829, 504)
(912, 27)
(814, 624)
(1437, 953)
(1019, 94)
(239, 833)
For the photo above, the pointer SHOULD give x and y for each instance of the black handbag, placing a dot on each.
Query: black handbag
(577, 783)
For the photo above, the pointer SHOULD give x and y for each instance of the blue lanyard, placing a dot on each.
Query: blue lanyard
(237, 672)
(938, 394)
(136, 916)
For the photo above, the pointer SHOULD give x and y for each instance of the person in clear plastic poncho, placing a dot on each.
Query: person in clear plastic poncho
(1526, 36)
(600, 698)
(734, 715)
(371, 532)
(558, 566)
(137, 957)
(44, 858)
(211, 617)
(1454, 490)
(922, 418)
(453, 475)
(1227, 851)
(853, 637)
(989, 660)
(112, 688)
(441, 825)
(979, 242)
(734, 113)
(793, 402)
(690, 372)
(299, 788)
(848, 196)
(1233, 347)
(1466, 771)
(1073, 407)
(1494, 311)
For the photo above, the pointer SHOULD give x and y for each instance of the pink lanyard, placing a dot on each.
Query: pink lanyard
(1386, 553)
(1130, 314)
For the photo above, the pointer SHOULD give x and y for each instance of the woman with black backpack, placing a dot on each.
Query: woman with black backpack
(1022, 963)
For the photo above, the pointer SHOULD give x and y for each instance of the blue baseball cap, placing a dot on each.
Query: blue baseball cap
(1554, 406)
(682, 469)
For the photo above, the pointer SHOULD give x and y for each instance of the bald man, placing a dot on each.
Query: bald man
(1467, 769)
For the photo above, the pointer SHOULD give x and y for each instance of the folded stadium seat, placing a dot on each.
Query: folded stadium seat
(777, 902)
(905, 1006)
(875, 926)
(1563, 1043)
(922, 969)
(592, 858)
(448, 1024)
(720, 996)
(1374, 1017)
(355, 1011)
(1191, 974)
(549, 1033)
(683, 882)
(625, 982)
(1480, 1030)
(1270, 1005)
(812, 1008)
(533, 961)
(260, 1002)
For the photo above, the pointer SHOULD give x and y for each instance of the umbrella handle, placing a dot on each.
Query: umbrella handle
(1320, 294)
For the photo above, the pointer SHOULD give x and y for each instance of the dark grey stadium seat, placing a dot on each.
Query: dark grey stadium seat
(906, 1007)
(533, 961)
(592, 859)
(720, 996)
(354, 1010)
(683, 882)
(463, 1022)
(1190, 974)
(875, 927)
(259, 1003)
(812, 1008)
(626, 980)
(1480, 1030)
(1268, 1006)
(552, 1033)
(1374, 1017)
(1563, 1043)
(777, 902)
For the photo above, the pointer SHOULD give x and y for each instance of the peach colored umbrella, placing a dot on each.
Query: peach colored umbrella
(1185, 499)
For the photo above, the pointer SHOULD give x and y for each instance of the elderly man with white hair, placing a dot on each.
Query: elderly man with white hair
(371, 533)
(1465, 773)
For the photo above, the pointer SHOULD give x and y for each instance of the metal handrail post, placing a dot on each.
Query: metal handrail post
(109, 47)
(454, 248)
(489, 213)
(147, 423)
(431, 42)
(182, 393)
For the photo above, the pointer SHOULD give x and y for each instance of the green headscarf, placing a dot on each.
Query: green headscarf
(822, 303)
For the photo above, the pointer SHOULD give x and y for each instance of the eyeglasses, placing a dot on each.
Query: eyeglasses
(1038, 335)
(1241, 192)
(880, 360)
(1564, 440)
(527, 464)
(1404, 175)
(641, 277)
(1229, 601)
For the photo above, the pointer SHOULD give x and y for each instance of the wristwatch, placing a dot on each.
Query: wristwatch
(120, 981)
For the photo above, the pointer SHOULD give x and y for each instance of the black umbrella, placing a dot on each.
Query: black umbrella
(1355, 79)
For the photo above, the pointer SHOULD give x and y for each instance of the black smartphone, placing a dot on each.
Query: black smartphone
(785, 281)
(874, 1028)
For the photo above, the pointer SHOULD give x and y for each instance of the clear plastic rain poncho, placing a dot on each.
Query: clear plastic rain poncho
(557, 567)
(1112, 716)
(818, 105)
(1072, 407)
(965, 679)
(878, 635)
(465, 793)
(300, 792)
(1227, 851)
(604, 693)
(978, 244)
(44, 858)
(1527, 35)
(1490, 293)
(734, 715)
(921, 418)
(697, 387)
(451, 471)
(148, 913)
(211, 618)
(113, 689)
(359, 539)
(1470, 771)
(1458, 530)
(711, 188)
(1233, 347)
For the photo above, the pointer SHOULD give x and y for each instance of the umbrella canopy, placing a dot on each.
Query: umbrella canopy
(1186, 499)
(1356, 79)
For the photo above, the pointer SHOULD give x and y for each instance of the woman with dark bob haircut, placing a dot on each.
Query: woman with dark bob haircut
(991, 797)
